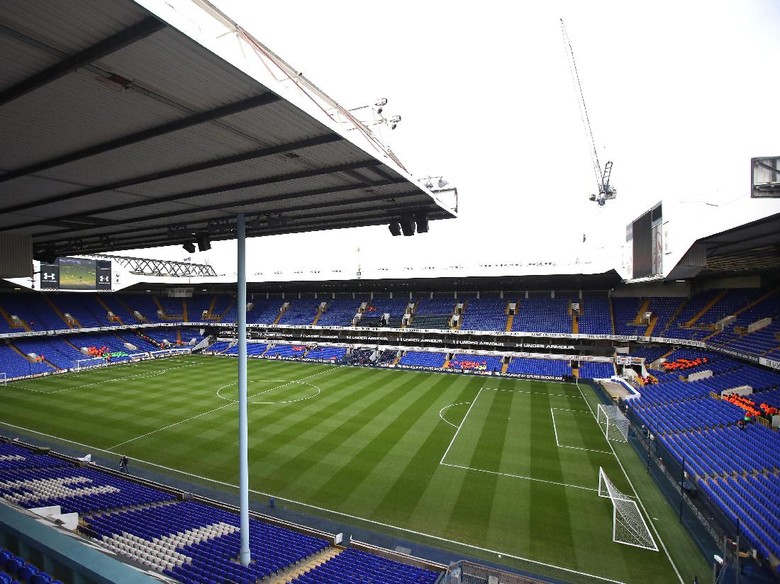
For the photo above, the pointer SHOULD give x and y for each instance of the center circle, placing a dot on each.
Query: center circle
(278, 391)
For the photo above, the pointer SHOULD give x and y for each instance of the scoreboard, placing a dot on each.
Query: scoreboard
(645, 244)
(76, 274)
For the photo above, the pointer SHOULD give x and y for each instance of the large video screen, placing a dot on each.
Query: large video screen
(643, 247)
(644, 236)
(76, 274)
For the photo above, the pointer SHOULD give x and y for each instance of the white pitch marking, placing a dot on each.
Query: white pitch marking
(641, 504)
(339, 513)
(460, 425)
(558, 443)
(515, 476)
(143, 375)
(227, 405)
(532, 392)
(447, 407)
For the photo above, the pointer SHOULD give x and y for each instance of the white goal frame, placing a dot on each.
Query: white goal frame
(613, 423)
(90, 363)
(3, 378)
(628, 525)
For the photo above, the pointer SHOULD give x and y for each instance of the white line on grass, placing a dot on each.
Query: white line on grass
(195, 417)
(570, 410)
(273, 403)
(460, 425)
(641, 504)
(448, 407)
(145, 374)
(532, 392)
(515, 476)
(340, 513)
(558, 443)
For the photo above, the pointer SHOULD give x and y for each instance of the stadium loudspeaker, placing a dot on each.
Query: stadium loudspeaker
(421, 219)
(189, 247)
(395, 228)
(204, 243)
(407, 225)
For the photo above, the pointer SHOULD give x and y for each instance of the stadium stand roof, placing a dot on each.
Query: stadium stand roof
(752, 248)
(119, 131)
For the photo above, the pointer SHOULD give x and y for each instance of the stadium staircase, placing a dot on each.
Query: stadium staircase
(130, 311)
(20, 323)
(509, 320)
(105, 307)
(641, 312)
(674, 316)
(279, 316)
(18, 350)
(164, 316)
(55, 308)
(210, 313)
(651, 327)
(612, 315)
(575, 324)
(705, 309)
(160, 309)
(317, 316)
(504, 367)
(230, 306)
(289, 575)
(184, 314)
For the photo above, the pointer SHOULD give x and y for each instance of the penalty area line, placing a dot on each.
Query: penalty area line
(457, 430)
(558, 442)
(339, 513)
(638, 498)
(521, 477)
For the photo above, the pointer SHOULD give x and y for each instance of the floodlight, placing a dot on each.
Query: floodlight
(421, 218)
(407, 225)
(204, 243)
(395, 228)
(189, 247)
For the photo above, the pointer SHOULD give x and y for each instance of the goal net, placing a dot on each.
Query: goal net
(3, 379)
(613, 423)
(628, 525)
(90, 363)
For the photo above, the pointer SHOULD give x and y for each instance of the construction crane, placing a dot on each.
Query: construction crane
(606, 191)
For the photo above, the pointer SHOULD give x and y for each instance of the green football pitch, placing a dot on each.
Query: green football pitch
(500, 469)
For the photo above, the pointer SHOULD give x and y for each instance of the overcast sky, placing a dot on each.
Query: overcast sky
(681, 95)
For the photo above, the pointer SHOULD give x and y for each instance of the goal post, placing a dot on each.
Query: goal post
(628, 524)
(3, 379)
(613, 423)
(91, 363)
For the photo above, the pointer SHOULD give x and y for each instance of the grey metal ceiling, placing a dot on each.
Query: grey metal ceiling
(119, 132)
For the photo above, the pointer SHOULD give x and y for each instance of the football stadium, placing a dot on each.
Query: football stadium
(515, 423)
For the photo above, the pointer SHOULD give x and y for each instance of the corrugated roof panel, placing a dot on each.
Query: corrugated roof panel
(75, 111)
(20, 60)
(73, 25)
(74, 134)
(162, 153)
(158, 63)
(229, 174)
(277, 123)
